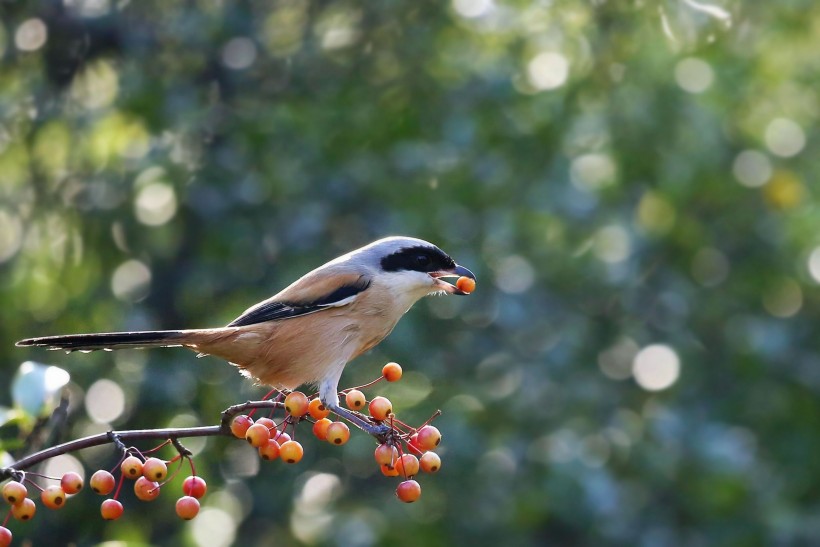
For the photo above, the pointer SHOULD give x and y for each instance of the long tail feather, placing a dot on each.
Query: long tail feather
(108, 340)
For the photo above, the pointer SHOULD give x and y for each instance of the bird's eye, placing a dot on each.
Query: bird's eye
(423, 260)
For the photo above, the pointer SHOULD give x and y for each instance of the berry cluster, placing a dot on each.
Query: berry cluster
(403, 452)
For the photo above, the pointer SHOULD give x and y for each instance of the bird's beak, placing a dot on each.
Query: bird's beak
(458, 271)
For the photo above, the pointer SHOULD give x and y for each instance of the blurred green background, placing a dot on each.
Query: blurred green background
(632, 183)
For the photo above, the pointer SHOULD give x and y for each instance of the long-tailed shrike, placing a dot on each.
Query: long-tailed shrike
(309, 331)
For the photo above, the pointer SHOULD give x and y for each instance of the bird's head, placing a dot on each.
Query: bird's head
(410, 265)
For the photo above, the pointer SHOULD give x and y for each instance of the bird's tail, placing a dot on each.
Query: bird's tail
(112, 340)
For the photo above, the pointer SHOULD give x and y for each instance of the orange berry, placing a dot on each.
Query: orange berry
(14, 492)
(320, 428)
(5, 537)
(317, 409)
(257, 435)
(386, 454)
(428, 437)
(296, 403)
(240, 425)
(267, 422)
(407, 465)
(408, 491)
(187, 507)
(291, 452)
(154, 469)
(71, 482)
(111, 509)
(391, 372)
(355, 399)
(102, 482)
(146, 490)
(268, 451)
(389, 470)
(53, 497)
(338, 433)
(380, 408)
(279, 436)
(194, 486)
(430, 462)
(131, 467)
(24, 510)
(465, 284)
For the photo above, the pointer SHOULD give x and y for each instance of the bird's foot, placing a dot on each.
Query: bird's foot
(378, 430)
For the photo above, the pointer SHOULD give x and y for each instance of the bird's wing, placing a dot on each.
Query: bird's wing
(308, 295)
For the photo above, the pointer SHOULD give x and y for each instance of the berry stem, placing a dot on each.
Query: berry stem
(6, 520)
(119, 486)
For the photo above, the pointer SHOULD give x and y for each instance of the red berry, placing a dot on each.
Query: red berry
(428, 437)
(291, 452)
(465, 284)
(111, 509)
(102, 482)
(355, 399)
(280, 437)
(14, 492)
(146, 490)
(338, 433)
(257, 435)
(71, 482)
(296, 403)
(5, 537)
(430, 462)
(380, 408)
(53, 497)
(240, 424)
(391, 372)
(154, 469)
(408, 491)
(268, 451)
(24, 510)
(386, 454)
(407, 465)
(187, 507)
(320, 428)
(317, 409)
(389, 470)
(413, 443)
(194, 486)
(131, 467)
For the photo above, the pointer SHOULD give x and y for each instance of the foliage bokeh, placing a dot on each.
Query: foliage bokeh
(632, 182)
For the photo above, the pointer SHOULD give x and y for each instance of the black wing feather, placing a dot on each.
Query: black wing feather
(271, 310)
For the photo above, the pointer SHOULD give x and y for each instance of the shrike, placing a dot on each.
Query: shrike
(309, 331)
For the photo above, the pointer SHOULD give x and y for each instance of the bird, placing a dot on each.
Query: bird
(309, 331)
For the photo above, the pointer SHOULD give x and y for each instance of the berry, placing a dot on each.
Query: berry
(338, 433)
(111, 509)
(71, 482)
(380, 408)
(428, 437)
(430, 462)
(389, 471)
(5, 537)
(187, 507)
(257, 435)
(154, 469)
(24, 510)
(355, 399)
(291, 452)
(240, 424)
(194, 486)
(102, 482)
(131, 467)
(413, 443)
(14, 492)
(53, 497)
(280, 437)
(386, 454)
(146, 490)
(267, 422)
(391, 372)
(465, 284)
(296, 403)
(320, 428)
(408, 491)
(317, 409)
(268, 451)
(407, 465)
